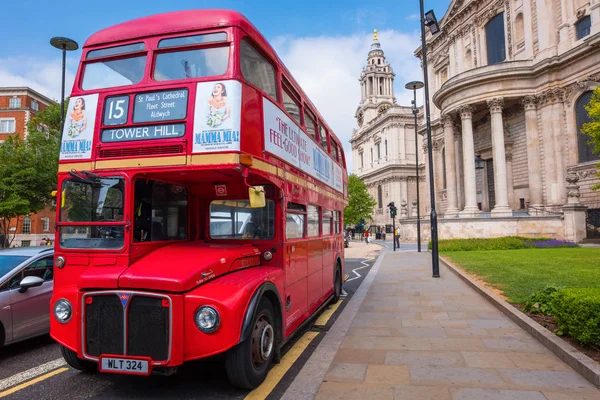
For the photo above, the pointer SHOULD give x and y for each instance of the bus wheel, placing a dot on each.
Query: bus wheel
(77, 363)
(247, 363)
(337, 285)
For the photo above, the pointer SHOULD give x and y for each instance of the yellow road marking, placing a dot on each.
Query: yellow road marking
(324, 318)
(279, 370)
(32, 382)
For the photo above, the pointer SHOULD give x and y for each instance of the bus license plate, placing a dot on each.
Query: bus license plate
(128, 366)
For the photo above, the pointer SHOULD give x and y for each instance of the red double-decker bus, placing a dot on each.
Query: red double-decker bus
(200, 201)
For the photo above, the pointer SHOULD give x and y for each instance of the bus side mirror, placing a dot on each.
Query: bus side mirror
(256, 195)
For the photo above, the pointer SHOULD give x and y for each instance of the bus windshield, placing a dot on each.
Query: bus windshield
(107, 74)
(195, 63)
(93, 201)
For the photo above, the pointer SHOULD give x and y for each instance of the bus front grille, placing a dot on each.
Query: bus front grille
(127, 324)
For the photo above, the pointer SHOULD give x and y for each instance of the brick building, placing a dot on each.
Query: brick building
(17, 106)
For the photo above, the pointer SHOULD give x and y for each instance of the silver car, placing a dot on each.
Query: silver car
(25, 290)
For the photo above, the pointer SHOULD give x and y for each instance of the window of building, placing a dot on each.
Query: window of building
(14, 102)
(521, 204)
(294, 221)
(327, 222)
(323, 138)
(7, 125)
(26, 225)
(386, 149)
(291, 102)
(34, 105)
(313, 221)
(362, 160)
(468, 59)
(379, 151)
(494, 35)
(257, 70)
(444, 165)
(583, 26)
(25, 243)
(311, 125)
(519, 28)
(379, 197)
(582, 117)
(46, 224)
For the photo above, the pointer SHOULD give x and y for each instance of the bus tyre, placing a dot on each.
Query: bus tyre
(77, 363)
(337, 285)
(247, 363)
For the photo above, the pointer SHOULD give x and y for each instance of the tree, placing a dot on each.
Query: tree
(592, 129)
(28, 170)
(360, 203)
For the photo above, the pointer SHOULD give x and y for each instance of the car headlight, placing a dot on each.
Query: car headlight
(63, 311)
(207, 319)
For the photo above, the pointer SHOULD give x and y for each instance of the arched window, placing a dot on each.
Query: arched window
(582, 117)
(379, 197)
(494, 36)
(519, 28)
(444, 165)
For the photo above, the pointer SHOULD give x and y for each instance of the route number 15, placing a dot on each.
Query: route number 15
(116, 110)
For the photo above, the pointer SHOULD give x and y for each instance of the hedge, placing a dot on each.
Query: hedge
(577, 313)
(502, 243)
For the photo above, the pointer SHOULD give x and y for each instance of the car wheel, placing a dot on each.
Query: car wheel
(77, 363)
(247, 363)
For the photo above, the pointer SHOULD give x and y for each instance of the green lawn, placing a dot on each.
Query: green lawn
(518, 273)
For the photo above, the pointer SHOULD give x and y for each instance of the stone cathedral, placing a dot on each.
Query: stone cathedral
(384, 146)
(509, 82)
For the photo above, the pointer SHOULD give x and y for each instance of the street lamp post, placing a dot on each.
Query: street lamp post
(64, 44)
(414, 85)
(430, 20)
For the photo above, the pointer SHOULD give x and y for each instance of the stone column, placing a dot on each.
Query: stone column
(534, 164)
(466, 116)
(458, 158)
(558, 138)
(451, 190)
(510, 182)
(501, 209)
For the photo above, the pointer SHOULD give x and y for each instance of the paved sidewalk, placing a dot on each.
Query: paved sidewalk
(417, 338)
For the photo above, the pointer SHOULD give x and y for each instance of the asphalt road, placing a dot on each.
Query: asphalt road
(23, 370)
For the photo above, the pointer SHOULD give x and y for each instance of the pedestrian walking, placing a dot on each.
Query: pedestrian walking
(397, 236)
(367, 238)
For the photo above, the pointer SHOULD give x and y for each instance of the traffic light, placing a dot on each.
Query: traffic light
(393, 209)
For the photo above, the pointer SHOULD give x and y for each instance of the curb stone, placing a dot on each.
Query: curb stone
(581, 363)
(308, 381)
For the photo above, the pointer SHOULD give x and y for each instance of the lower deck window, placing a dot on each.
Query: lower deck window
(160, 211)
(234, 219)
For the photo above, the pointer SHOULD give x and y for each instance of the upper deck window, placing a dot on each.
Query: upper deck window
(115, 50)
(195, 63)
(257, 70)
(193, 40)
(323, 137)
(290, 103)
(106, 74)
(311, 125)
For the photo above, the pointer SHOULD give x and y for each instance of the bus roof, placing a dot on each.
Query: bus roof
(193, 20)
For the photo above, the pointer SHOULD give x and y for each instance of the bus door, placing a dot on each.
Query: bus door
(296, 261)
(328, 251)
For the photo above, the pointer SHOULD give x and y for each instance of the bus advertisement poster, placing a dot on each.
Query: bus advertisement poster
(217, 116)
(285, 139)
(78, 130)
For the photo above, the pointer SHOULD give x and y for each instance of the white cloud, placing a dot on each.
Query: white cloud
(413, 17)
(42, 75)
(327, 68)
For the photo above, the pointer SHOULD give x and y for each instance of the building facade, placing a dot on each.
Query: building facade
(509, 80)
(385, 144)
(17, 106)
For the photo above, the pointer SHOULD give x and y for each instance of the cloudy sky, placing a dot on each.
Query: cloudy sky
(323, 43)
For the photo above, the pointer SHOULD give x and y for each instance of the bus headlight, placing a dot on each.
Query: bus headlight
(207, 319)
(63, 311)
